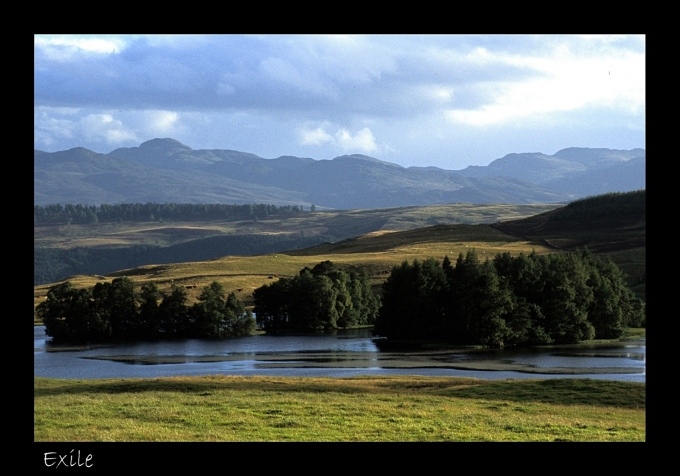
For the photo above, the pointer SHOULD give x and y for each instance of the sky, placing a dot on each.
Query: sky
(447, 101)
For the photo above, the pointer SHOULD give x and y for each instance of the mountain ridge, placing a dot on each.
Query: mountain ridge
(165, 170)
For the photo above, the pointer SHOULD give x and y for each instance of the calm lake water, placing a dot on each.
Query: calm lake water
(339, 354)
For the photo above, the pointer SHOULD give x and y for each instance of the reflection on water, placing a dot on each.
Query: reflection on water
(340, 354)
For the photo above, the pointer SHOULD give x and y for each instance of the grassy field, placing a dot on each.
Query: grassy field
(373, 409)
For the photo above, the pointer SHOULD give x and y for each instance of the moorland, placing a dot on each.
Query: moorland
(610, 225)
(393, 409)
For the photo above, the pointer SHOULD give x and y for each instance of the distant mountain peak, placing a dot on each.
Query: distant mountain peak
(77, 152)
(166, 144)
(366, 158)
(598, 156)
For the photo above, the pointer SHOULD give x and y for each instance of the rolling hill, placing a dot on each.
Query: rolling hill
(612, 225)
(62, 250)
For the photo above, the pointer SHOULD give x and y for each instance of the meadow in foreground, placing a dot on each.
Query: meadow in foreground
(364, 409)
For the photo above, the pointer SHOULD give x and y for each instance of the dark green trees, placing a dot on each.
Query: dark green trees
(173, 315)
(209, 314)
(115, 303)
(565, 299)
(478, 302)
(614, 305)
(363, 305)
(70, 213)
(113, 312)
(413, 296)
(69, 316)
(240, 321)
(149, 315)
(217, 316)
(522, 275)
(508, 301)
(523, 300)
(428, 301)
(324, 297)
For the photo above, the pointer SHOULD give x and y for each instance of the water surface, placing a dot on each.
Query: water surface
(339, 354)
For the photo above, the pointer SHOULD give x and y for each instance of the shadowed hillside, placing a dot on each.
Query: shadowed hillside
(604, 223)
(612, 224)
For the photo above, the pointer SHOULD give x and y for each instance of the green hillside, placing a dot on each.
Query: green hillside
(66, 248)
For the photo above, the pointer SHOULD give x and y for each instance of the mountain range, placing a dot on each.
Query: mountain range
(167, 171)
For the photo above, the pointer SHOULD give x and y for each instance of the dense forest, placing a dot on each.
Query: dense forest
(135, 212)
(114, 312)
(508, 301)
(324, 297)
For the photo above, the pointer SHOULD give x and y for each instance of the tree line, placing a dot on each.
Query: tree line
(508, 301)
(136, 212)
(323, 297)
(115, 312)
(505, 301)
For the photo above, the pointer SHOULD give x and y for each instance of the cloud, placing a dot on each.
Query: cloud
(65, 48)
(108, 128)
(458, 97)
(316, 136)
(103, 127)
(342, 139)
(362, 141)
(565, 80)
(162, 122)
(49, 130)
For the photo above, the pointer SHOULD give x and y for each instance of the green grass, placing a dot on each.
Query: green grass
(390, 409)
